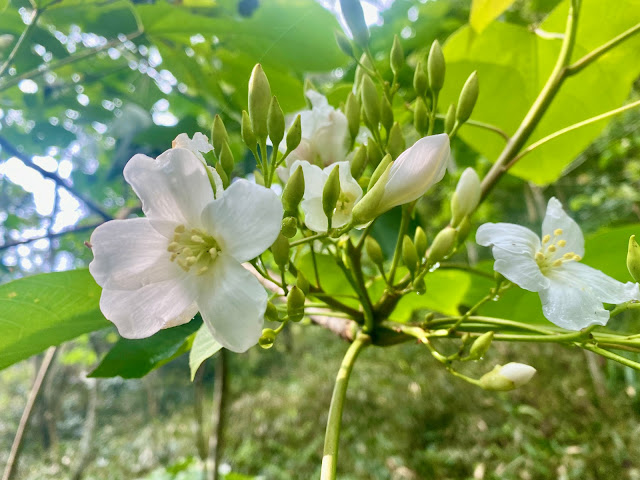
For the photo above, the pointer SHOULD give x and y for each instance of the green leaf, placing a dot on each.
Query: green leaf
(3, 5)
(44, 310)
(136, 358)
(204, 346)
(514, 62)
(483, 12)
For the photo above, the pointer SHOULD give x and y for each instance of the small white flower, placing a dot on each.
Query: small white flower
(507, 377)
(571, 293)
(314, 181)
(186, 255)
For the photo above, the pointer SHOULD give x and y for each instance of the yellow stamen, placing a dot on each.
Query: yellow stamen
(552, 248)
(546, 239)
(557, 232)
(562, 243)
(557, 263)
(539, 256)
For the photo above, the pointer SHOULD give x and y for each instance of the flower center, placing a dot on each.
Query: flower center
(550, 255)
(193, 248)
(345, 202)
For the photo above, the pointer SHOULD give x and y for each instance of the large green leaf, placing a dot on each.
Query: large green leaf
(204, 346)
(483, 12)
(513, 63)
(44, 310)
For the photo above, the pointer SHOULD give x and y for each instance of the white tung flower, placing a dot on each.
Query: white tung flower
(571, 293)
(314, 181)
(186, 255)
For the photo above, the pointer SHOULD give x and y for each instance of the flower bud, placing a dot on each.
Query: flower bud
(396, 59)
(275, 122)
(436, 67)
(359, 162)
(267, 339)
(331, 194)
(294, 135)
(468, 97)
(248, 137)
(420, 116)
(280, 250)
(480, 346)
(271, 313)
(293, 192)
(302, 283)
(295, 304)
(409, 254)
(382, 166)
(386, 114)
(219, 135)
(466, 197)
(368, 208)
(420, 80)
(223, 175)
(396, 144)
(419, 286)
(442, 245)
(508, 377)
(226, 159)
(360, 73)
(354, 16)
(450, 119)
(259, 101)
(633, 258)
(352, 112)
(289, 227)
(374, 154)
(420, 241)
(370, 101)
(373, 250)
(343, 43)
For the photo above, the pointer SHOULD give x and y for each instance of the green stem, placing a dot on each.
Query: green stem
(404, 225)
(332, 435)
(613, 356)
(486, 126)
(311, 238)
(623, 307)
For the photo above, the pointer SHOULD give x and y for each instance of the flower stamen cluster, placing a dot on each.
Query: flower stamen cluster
(193, 247)
(549, 257)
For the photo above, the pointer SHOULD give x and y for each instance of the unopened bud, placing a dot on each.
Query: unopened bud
(466, 197)
(468, 97)
(280, 250)
(267, 339)
(370, 101)
(436, 67)
(219, 135)
(420, 80)
(367, 209)
(409, 254)
(248, 137)
(352, 112)
(226, 159)
(420, 241)
(386, 114)
(271, 313)
(420, 116)
(360, 72)
(289, 227)
(294, 135)
(354, 16)
(259, 100)
(331, 194)
(377, 173)
(293, 192)
(374, 154)
(633, 258)
(359, 162)
(275, 122)
(508, 377)
(450, 119)
(302, 283)
(295, 304)
(442, 245)
(344, 44)
(419, 286)
(396, 144)
(373, 250)
(480, 346)
(397, 56)
(223, 175)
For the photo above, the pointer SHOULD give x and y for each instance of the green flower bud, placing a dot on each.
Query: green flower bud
(370, 101)
(382, 166)
(354, 16)
(436, 67)
(223, 175)
(248, 137)
(373, 250)
(293, 192)
(420, 241)
(397, 56)
(360, 73)
(267, 339)
(420, 80)
(386, 114)
(359, 162)
(275, 122)
(302, 283)
(219, 135)
(466, 197)
(344, 43)
(271, 313)
(352, 112)
(396, 144)
(294, 135)
(280, 250)
(409, 254)
(259, 101)
(442, 245)
(468, 97)
(364, 182)
(450, 119)
(331, 194)
(366, 209)
(420, 116)
(633, 258)
(295, 304)
(226, 159)
(480, 346)
(289, 227)
(419, 286)
(508, 377)
(374, 154)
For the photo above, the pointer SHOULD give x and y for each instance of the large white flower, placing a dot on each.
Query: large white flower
(186, 255)
(314, 181)
(571, 293)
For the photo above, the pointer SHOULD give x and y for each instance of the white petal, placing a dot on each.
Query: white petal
(416, 170)
(331, 140)
(172, 187)
(521, 268)
(603, 287)
(348, 184)
(232, 304)
(199, 144)
(314, 178)
(468, 191)
(129, 254)
(556, 218)
(314, 217)
(245, 221)
(518, 373)
(141, 313)
(508, 236)
(318, 101)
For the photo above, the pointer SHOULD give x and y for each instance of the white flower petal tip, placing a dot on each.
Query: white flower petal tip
(507, 377)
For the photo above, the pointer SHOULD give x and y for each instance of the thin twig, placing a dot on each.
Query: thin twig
(486, 126)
